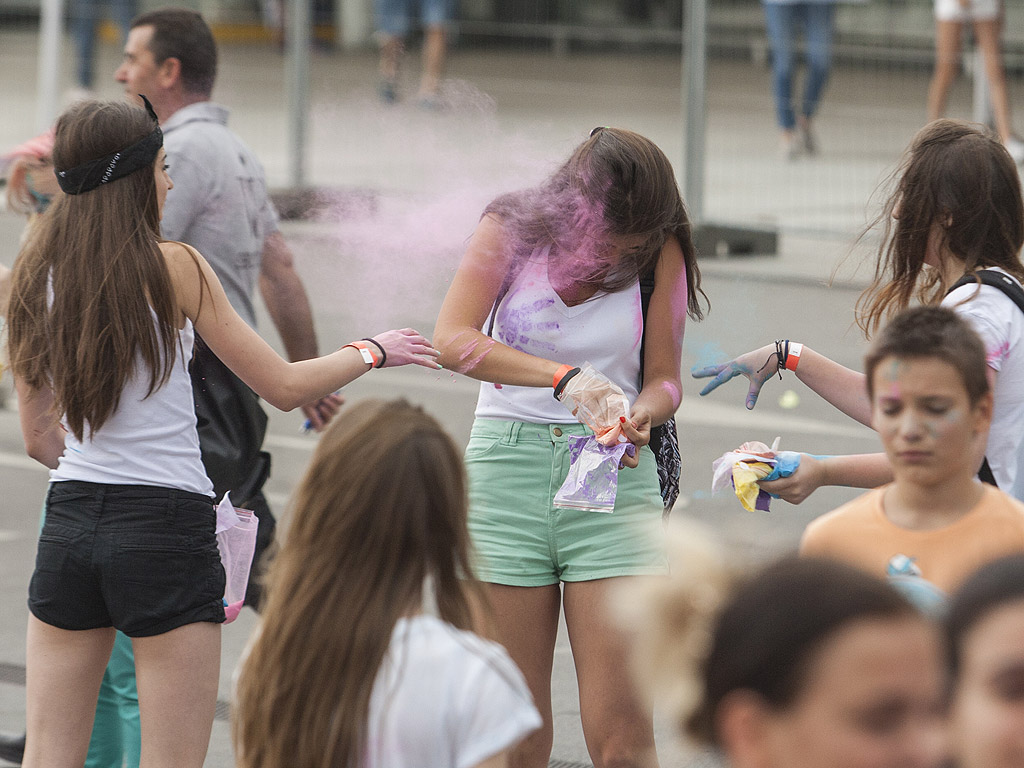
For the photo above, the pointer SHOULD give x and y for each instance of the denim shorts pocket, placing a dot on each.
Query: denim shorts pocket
(58, 572)
(157, 576)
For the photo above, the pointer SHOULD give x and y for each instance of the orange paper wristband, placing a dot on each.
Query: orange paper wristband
(793, 356)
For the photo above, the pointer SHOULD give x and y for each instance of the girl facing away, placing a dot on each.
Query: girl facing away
(956, 208)
(558, 269)
(367, 658)
(101, 325)
(805, 663)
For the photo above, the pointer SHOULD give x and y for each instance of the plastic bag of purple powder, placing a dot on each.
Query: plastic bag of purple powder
(593, 478)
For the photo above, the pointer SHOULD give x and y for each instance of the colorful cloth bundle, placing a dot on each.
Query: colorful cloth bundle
(745, 467)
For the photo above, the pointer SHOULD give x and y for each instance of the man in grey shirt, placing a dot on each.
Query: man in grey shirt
(219, 205)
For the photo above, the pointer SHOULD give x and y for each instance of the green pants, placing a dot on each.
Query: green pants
(116, 734)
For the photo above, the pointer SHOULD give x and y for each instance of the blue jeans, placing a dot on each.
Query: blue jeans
(85, 14)
(781, 22)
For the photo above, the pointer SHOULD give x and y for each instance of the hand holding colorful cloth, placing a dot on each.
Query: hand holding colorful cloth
(745, 467)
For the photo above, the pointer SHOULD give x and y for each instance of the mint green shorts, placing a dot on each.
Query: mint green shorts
(515, 469)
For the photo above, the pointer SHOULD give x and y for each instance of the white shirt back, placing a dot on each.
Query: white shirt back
(445, 698)
(1000, 323)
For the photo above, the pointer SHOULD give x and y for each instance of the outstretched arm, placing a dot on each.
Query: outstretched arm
(288, 305)
(864, 470)
(837, 384)
(282, 384)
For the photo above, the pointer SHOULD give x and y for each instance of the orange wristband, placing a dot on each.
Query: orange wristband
(365, 352)
(793, 355)
(559, 374)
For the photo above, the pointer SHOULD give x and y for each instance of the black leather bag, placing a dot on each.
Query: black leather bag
(231, 425)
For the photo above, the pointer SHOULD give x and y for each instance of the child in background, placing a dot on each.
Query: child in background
(368, 659)
(932, 407)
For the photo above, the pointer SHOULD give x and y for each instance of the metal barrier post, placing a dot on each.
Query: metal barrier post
(695, 34)
(710, 239)
(51, 13)
(297, 80)
(981, 98)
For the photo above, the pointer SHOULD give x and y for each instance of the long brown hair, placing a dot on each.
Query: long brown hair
(616, 183)
(958, 179)
(381, 510)
(98, 252)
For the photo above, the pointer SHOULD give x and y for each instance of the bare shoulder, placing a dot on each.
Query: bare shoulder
(490, 231)
(672, 249)
(486, 248)
(182, 260)
(175, 251)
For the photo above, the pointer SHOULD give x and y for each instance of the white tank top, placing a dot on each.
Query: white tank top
(605, 331)
(147, 440)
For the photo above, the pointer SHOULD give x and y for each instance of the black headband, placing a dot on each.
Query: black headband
(87, 176)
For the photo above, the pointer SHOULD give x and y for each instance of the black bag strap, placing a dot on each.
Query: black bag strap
(1015, 293)
(646, 289)
(996, 279)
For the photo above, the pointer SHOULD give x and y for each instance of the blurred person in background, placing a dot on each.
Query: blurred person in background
(31, 184)
(985, 650)
(805, 663)
(85, 17)
(986, 20)
(394, 20)
(783, 20)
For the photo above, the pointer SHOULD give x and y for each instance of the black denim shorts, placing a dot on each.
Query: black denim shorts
(139, 558)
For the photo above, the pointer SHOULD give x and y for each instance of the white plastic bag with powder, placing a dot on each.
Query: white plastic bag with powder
(236, 540)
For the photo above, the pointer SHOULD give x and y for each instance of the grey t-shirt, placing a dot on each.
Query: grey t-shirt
(219, 202)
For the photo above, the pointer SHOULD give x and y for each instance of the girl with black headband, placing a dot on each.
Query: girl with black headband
(102, 321)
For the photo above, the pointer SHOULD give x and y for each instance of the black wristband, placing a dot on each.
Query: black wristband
(565, 380)
(383, 354)
(780, 354)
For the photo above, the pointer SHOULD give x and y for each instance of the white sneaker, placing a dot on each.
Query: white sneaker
(1016, 149)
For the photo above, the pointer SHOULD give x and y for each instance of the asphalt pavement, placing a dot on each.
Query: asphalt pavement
(406, 187)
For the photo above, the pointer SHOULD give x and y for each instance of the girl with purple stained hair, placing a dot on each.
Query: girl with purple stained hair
(551, 281)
